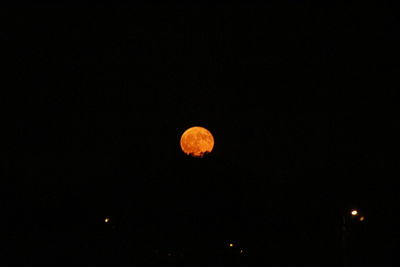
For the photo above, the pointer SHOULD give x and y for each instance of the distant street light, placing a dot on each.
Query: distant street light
(354, 212)
(350, 219)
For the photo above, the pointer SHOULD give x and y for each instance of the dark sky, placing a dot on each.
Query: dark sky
(301, 98)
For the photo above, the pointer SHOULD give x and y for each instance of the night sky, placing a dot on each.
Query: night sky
(302, 101)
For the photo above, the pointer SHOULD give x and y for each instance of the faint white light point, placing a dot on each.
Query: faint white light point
(241, 251)
(106, 219)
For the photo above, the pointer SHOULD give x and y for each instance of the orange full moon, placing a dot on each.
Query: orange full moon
(197, 141)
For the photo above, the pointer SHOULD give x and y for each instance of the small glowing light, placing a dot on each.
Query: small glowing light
(241, 251)
(231, 245)
(362, 219)
(106, 220)
(354, 212)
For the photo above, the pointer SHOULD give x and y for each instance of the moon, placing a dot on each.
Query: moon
(197, 141)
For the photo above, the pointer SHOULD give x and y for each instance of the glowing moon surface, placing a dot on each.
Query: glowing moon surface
(197, 141)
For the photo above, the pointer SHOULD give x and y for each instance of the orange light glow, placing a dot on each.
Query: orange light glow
(362, 219)
(106, 220)
(197, 141)
(231, 245)
(354, 212)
